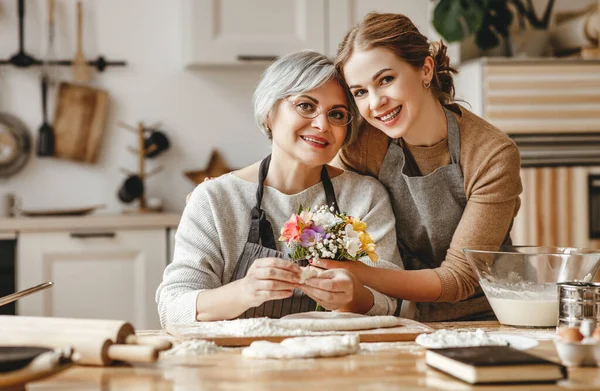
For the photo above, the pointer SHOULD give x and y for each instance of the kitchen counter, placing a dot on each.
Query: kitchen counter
(400, 366)
(95, 221)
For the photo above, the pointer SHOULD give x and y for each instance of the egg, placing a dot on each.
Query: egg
(596, 334)
(571, 334)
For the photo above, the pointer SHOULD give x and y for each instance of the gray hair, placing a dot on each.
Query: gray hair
(297, 73)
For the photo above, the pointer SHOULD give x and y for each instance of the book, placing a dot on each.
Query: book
(494, 364)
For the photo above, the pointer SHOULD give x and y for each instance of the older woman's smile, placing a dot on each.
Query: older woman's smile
(315, 141)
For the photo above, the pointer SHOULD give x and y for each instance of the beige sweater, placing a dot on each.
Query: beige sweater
(490, 162)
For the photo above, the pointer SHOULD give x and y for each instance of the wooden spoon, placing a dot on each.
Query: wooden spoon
(81, 71)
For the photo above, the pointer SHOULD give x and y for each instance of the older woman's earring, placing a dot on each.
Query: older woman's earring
(426, 83)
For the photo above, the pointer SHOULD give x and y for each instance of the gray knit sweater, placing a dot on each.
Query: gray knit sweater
(214, 228)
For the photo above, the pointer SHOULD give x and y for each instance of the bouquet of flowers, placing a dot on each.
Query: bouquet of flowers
(323, 233)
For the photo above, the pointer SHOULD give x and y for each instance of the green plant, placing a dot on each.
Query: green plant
(489, 20)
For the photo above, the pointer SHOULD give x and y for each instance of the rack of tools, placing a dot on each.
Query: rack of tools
(81, 67)
(22, 59)
(151, 143)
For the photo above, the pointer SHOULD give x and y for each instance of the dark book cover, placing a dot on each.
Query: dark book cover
(481, 356)
(494, 364)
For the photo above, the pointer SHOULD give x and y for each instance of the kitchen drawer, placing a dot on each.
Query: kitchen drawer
(97, 274)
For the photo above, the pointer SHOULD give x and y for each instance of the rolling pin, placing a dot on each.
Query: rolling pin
(118, 331)
(89, 350)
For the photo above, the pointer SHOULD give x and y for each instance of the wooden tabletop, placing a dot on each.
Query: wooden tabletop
(381, 366)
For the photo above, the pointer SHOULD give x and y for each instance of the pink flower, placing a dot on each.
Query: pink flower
(292, 229)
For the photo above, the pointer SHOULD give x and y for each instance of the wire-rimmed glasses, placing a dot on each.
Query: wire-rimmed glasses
(337, 116)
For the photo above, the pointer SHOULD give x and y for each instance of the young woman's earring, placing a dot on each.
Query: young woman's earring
(426, 83)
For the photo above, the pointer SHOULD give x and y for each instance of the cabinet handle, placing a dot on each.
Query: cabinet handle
(89, 235)
(247, 57)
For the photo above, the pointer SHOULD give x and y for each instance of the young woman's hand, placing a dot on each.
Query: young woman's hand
(353, 267)
(332, 289)
(269, 279)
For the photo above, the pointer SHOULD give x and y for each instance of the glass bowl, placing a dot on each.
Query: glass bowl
(520, 281)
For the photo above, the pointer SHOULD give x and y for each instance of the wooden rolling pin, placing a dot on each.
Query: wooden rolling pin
(118, 331)
(89, 350)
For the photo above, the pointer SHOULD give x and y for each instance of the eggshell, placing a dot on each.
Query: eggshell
(596, 334)
(570, 334)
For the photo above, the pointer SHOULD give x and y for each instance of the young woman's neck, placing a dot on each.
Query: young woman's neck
(430, 126)
(289, 175)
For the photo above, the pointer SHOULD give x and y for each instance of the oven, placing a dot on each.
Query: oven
(8, 245)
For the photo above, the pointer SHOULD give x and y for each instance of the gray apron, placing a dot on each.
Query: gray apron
(428, 210)
(261, 244)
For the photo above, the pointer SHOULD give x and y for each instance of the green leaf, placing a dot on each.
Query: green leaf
(456, 19)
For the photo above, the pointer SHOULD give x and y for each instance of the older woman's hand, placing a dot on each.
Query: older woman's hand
(332, 289)
(269, 279)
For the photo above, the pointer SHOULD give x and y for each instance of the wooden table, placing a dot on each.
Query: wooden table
(399, 366)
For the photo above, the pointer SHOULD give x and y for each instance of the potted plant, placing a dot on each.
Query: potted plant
(489, 21)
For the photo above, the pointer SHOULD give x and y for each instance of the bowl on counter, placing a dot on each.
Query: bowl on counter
(520, 282)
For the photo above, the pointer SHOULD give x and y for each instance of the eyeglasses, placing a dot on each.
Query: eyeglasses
(338, 116)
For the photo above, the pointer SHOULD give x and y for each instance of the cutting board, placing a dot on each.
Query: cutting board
(79, 121)
(407, 331)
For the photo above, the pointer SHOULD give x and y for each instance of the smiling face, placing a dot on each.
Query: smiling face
(315, 141)
(388, 91)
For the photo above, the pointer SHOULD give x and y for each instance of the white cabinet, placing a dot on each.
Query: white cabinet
(222, 32)
(236, 31)
(101, 274)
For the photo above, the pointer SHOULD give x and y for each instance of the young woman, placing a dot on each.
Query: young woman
(452, 177)
(227, 261)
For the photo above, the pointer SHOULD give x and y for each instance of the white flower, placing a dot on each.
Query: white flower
(351, 241)
(326, 219)
(306, 216)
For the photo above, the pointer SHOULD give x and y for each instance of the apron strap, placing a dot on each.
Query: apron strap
(453, 136)
(260, 227)
(329, 191)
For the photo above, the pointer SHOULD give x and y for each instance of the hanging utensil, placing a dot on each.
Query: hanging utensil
(45, 142)
(49, 68)
(45, 145)
(21, 58)
(81, 70)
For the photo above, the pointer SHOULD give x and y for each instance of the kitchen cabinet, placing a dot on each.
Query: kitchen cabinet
(226, 32)
(101, 273)
(533, 96)
(221, 32)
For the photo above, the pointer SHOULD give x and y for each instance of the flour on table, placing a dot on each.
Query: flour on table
(453, 338)
(306, 323)
(304, 347)
(253, 327)
(193, 347)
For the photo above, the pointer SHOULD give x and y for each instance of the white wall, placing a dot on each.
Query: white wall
(200, 109)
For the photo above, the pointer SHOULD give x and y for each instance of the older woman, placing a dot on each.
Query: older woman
(227, 263)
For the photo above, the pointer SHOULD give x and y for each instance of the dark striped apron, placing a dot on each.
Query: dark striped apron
(261, 244)
(428, 210)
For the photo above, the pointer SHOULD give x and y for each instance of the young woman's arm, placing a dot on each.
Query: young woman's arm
(492, 204)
